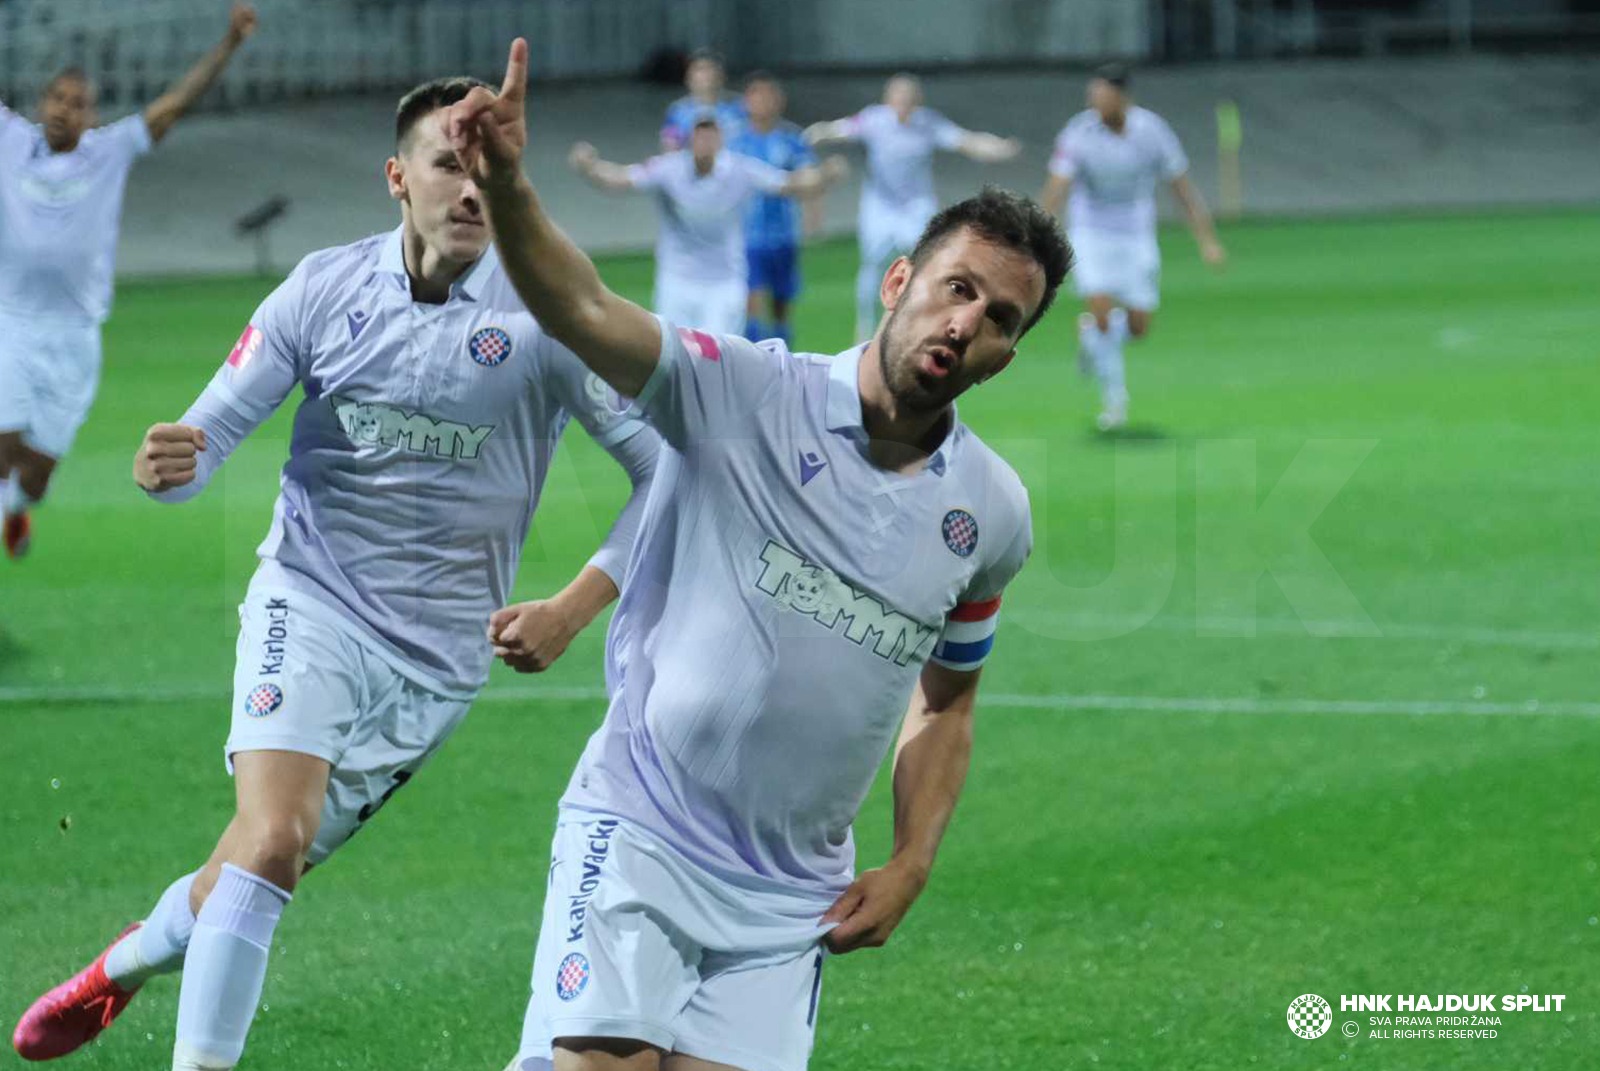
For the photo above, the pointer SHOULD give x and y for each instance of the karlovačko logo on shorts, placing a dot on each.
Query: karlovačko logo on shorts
(1310, 1016)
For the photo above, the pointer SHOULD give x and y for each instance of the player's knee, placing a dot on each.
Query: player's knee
(276, 848)
(1138, 326)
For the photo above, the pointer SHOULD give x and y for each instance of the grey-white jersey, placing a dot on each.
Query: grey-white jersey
(783, 597)
(419, 452)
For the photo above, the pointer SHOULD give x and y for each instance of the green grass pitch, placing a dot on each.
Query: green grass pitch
(1236, 749)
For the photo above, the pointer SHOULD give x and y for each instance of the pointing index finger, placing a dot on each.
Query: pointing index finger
(516, 83)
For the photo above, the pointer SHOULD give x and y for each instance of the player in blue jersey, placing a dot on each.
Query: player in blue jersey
(432, 407)
(819, 570)
(705, 78)
(774, 226)
(61, 186)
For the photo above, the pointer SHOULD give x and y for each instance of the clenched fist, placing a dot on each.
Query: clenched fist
(530, 636)
(168, 456)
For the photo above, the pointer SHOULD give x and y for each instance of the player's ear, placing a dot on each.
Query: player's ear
(394, 171)
(894, 282)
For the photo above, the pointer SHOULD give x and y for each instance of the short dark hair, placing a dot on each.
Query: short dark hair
(429, 97)
(1010, 220)
(708, 55)
(1115, 73)
(70, 74)
(758, 76)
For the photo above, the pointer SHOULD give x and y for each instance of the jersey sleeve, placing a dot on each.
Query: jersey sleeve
(607, 416)
(648, 175)
(265, 363)
(762, 176)
(10, 120)
(260, 370)
(131, 136)
(946, 134)
(1063, 159)
(708, 385)
(1173, 160)
(803, 154)
(969, 629)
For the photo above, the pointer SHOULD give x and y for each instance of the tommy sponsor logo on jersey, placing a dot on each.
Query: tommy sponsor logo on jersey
(47, 194)
(819, 593)
(277, 638)
(418, 433)
(594, 861)
(489, 346)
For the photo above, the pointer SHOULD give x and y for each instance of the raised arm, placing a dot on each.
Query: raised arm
(930, 768)
(176, 461)
(1053, 198)
(1199, 217)
(619, 340)
(987, 148)
(585, 160)
(832, 132)
(811, 181)
(171, 105)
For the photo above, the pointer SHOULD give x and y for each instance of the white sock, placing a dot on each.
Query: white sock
(12, 499)
(1105, 356)
(224, 970)
(156, 947)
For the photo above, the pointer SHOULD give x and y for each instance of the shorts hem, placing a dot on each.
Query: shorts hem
(605, 1026)
(722, 1053)
(298, 745)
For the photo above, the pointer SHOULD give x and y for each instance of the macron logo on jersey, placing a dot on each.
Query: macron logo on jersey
(819, 593)
(417, 433)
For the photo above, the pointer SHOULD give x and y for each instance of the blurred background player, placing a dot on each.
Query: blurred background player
(701, 192)
(897, 196)
(433, 405)
(61, 186)
(705, 77)
(1110, 158)
(774, 226)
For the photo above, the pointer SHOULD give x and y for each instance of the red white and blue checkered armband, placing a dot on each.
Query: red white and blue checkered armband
(968, 634)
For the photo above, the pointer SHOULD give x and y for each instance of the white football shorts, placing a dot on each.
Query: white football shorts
(637, 942)
(306, 680)
(719, 308)
(885, 231)
(1127, 267)
(49, 372)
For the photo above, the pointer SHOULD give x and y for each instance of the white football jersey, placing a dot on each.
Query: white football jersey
(1114, 175)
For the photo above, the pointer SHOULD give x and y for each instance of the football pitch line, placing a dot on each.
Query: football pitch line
(1105, 626)
(1062, 702)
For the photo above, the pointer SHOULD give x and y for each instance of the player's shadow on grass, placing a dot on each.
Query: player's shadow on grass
(1132, 433)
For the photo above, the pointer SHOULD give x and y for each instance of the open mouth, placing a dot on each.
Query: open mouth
(939, 362)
